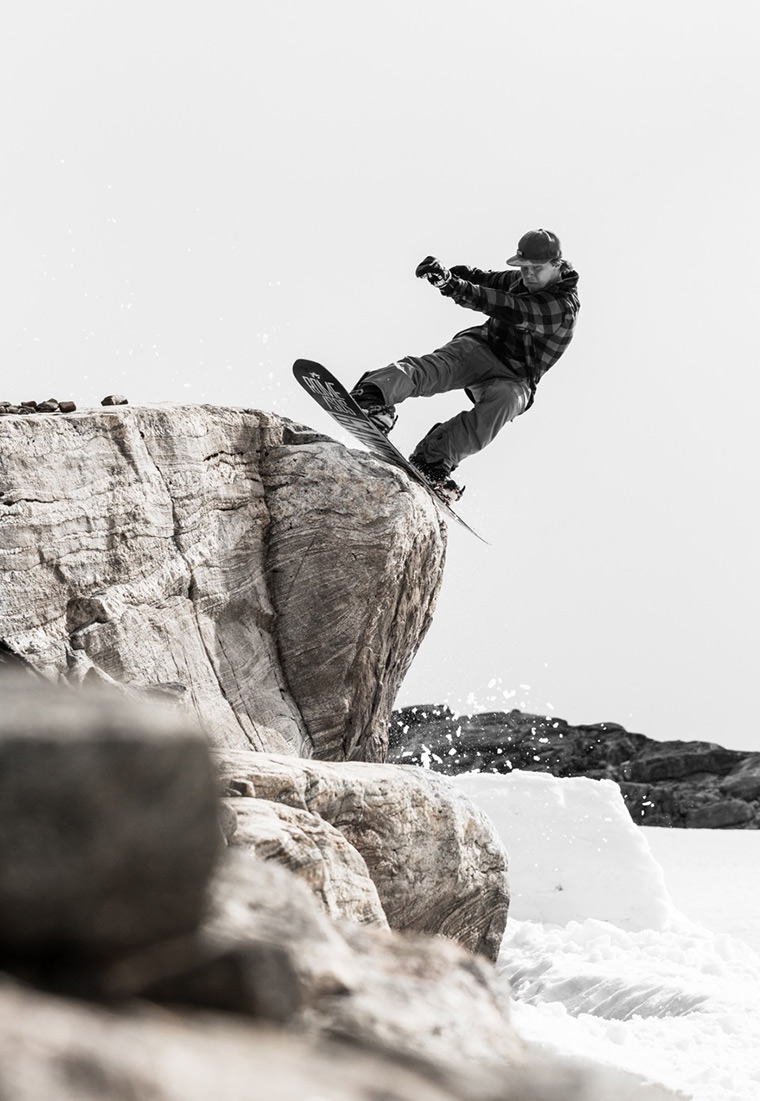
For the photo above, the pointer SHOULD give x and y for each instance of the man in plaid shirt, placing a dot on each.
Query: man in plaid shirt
(531, 315)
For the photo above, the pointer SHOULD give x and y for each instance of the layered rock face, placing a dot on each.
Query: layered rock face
(278, 582)
(674, 783)
(434, 859)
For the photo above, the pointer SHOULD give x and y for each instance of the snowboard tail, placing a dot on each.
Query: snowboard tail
(335, 399)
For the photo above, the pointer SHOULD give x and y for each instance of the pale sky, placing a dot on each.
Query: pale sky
(195, 194)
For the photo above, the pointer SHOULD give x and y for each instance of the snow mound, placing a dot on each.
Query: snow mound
(605, 971)
(574, 852)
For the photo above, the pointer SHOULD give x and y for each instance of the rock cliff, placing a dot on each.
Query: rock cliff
(673, 783)
(191, 903)
(279, 581)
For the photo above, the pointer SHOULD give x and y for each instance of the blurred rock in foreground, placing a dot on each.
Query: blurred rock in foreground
(108, 822)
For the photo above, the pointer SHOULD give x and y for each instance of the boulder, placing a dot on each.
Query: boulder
(268, 950)
(675, 760)
(417, 996)
(265, 949)
(314, 850)
(719, 815)
(744, 782)
(285, 581)
(64, 1050)
(495, 741)
(435, 859)
(422, 998)
(108, 822)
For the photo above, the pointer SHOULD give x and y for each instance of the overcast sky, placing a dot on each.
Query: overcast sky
(195, 194)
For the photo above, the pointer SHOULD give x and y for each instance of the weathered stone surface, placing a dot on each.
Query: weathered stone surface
(674, 783)
(108, 822)
(315, 851)
(743, 782)
(251, 978)
(726, 814)
(436, 861)
(253, 901)
(228, 822)
(423, 997)
(355, 563)
(62, 1050)
(66, 1051)
(265, 950)
(674, 760)
(413, 996)
(284, 580)
(500, 741)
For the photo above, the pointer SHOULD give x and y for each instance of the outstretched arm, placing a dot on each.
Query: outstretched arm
(488, 292)
(543, 312)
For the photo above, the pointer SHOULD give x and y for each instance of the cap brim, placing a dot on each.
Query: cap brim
(515, 261)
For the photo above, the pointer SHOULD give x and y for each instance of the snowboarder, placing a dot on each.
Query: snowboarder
(531, 315)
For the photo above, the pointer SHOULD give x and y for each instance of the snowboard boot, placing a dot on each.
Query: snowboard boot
(372, 403)
(439, 478)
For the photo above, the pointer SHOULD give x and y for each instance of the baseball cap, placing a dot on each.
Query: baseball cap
(536, 247)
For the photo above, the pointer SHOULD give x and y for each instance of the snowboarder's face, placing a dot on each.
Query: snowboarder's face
(537, 276)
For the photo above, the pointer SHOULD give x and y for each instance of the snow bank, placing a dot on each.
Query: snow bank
(604, 969)
(574, 852)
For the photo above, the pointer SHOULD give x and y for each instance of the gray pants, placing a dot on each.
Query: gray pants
(463, 364)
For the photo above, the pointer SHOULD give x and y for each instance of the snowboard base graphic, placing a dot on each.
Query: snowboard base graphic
(332, 396)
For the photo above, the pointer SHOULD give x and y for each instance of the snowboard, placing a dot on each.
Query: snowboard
(334, 398)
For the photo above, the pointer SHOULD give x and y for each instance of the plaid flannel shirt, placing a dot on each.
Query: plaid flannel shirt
(527, 330)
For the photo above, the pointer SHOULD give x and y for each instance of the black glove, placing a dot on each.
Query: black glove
(460, 271)
(434, 271)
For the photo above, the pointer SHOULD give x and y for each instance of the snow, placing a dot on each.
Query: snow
(605, 967)
(727, 861)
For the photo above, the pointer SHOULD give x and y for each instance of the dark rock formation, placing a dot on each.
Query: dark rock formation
(674, 783)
